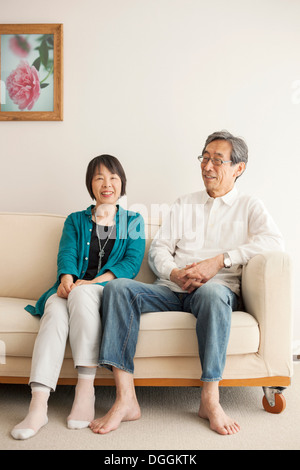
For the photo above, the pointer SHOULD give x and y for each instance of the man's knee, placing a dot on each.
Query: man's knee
(211, 295)
(118, 286)
(213, 290)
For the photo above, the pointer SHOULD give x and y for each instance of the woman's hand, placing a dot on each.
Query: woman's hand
(80, 282)
(108, 276)
(65, 286)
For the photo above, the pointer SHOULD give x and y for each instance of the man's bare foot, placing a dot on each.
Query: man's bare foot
(121, 411)
(211, 409)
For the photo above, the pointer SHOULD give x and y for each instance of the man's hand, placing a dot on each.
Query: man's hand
(65, 286)
(179, 277)
(195, 275)
(206, 269)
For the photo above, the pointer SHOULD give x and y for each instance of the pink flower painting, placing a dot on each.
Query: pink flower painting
(27, 73)
(19, 45)
(23, 85)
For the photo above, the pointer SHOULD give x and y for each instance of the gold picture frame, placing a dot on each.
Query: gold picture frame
(31, 72)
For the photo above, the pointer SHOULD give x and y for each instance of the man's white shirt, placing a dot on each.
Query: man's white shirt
(199, 227)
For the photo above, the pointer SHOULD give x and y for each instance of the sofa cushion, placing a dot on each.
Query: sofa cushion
(28, 253)
(161, 333)
(174, 334)
(18, 329)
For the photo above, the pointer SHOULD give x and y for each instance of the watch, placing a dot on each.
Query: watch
(227, 261)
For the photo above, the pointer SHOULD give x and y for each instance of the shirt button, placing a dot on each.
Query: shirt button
(88, 243)
(86, 258)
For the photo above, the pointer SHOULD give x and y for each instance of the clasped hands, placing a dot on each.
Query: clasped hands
(196, 274)
(67, 284)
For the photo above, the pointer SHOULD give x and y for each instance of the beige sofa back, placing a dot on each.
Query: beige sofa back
(28, 253)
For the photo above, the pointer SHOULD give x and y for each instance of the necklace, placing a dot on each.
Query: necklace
(101, 248)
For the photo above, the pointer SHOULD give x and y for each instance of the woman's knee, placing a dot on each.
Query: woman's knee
(84, 295)
(77, 293)
(55, 314)
(56, 307)
(84, 305)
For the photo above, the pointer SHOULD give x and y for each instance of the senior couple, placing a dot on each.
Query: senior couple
(97, 304)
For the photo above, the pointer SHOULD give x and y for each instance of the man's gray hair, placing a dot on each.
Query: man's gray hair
(239, 151)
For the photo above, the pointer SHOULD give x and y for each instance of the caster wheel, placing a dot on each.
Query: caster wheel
(279, 406)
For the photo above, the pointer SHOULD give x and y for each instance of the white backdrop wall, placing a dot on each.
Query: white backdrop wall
(147, 81)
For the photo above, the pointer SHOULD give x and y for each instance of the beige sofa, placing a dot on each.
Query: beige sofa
(259, 351)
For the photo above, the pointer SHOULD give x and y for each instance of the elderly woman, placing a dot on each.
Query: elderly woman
(97, 245)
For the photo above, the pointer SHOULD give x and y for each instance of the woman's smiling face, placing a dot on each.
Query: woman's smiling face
(106, 186)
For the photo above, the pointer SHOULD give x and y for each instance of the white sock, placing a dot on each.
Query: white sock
(83, 409)
(37, 413)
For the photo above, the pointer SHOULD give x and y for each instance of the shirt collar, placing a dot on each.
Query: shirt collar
(88, 211)
(228, 198)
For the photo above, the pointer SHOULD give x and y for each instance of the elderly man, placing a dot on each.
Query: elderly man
(197, 257)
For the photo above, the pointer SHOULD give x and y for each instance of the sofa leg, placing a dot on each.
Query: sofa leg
(273, 400)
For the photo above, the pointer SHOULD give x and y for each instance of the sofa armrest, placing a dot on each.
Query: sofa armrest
(266, 291)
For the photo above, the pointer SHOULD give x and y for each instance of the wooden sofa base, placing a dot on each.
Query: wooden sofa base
(276, 381)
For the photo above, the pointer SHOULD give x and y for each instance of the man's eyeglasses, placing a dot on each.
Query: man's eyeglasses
(215, 161)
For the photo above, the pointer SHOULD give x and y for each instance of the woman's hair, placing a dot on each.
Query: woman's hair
(112, 164)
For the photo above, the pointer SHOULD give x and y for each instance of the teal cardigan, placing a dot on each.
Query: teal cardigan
(73, 255)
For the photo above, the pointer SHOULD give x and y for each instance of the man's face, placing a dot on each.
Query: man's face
(219, 180)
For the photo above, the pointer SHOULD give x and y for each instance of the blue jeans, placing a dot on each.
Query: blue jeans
(124, 300)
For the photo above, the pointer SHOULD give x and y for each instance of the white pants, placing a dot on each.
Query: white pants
(77, 317)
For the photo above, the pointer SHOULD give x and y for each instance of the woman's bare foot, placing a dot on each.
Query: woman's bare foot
(211, 409)
(122, 410)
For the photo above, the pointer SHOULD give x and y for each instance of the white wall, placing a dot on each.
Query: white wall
(147, 81)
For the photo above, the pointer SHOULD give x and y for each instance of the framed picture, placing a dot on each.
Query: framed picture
(31, 72)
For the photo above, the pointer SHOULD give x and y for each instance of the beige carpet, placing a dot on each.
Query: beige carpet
(169, 421)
